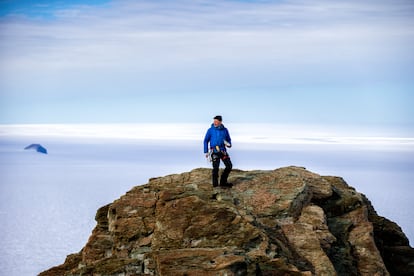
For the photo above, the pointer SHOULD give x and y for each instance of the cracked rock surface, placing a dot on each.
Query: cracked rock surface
(287, 221)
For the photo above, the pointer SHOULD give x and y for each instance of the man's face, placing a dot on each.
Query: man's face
(216, 123)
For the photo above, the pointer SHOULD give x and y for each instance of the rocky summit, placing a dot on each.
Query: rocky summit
(287, 221)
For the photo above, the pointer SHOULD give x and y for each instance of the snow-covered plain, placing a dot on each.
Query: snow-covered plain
(48, 202)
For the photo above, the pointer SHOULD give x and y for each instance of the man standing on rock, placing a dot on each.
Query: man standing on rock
(219, 138)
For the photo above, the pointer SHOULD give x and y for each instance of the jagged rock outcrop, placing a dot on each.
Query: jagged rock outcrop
(287, 221)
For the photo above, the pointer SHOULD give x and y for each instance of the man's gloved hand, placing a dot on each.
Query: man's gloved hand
(207, 154)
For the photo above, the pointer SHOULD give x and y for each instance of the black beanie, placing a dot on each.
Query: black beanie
(218, 117)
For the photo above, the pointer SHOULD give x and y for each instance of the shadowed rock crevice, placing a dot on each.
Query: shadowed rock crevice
(287, 221)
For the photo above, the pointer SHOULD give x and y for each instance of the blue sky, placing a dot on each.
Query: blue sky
(316, 62)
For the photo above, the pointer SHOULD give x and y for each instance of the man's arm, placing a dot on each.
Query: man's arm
(228, 139)
(206, 140)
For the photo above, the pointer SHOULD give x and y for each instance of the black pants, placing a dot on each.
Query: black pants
(215, 157)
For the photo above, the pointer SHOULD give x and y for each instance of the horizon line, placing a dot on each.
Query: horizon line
(258, 134)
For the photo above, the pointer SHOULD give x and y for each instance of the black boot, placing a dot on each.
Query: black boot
(226, 185)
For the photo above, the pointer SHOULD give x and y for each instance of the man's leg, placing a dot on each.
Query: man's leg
(226, 172)
(215, 172)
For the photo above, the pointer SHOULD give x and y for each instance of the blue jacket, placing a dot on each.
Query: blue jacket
(216, 136)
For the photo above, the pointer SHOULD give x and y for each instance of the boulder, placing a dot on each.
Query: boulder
(287, 221)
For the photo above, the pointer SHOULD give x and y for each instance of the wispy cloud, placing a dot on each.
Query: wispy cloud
(146, 34)
(129, 47)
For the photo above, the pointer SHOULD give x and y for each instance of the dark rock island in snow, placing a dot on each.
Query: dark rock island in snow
(36, 147)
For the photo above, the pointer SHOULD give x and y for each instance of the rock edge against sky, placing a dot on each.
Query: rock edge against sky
(287, 221)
